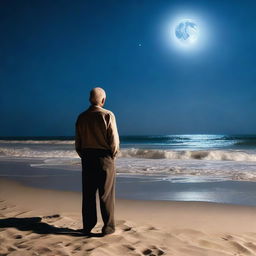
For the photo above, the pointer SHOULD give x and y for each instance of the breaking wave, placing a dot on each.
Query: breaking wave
(217, 155)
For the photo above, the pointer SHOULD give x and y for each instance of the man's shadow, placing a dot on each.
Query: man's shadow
(35, 225)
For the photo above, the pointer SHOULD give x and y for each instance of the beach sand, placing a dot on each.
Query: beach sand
(44, 222)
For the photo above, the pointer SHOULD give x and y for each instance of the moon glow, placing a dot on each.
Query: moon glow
(187, 32)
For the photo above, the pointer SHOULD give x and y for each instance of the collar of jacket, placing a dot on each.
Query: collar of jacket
(95, 106)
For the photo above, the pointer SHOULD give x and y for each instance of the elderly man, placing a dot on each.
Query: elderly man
(97, 143)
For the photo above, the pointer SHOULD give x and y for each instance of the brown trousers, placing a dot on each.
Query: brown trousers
(98, 173)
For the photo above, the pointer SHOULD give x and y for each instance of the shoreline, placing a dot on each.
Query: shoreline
(140, 187)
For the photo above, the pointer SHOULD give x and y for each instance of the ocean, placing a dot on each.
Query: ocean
(176, 158)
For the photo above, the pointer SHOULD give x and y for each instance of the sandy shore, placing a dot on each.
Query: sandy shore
(45, 222)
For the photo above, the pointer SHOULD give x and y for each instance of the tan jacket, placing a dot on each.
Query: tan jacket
(96, 128)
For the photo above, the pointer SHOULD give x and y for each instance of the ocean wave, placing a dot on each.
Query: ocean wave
(239, 137)
(219, 155)
(213, 155)
(250, 143)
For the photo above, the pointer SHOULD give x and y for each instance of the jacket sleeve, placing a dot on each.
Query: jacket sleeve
(113, 137)
(78, 144)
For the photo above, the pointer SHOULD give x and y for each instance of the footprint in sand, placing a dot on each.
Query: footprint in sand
(77, 248)
(153, 251)
(227, 237)
(129, 247)
(126, 228)
(52, 216)
(151, 228)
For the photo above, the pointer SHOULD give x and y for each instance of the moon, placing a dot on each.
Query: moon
(186, 32)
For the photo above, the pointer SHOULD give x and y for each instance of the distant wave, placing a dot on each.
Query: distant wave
(183, 141)
(31, 153)
(154, 139)
(239, 137)
(250, 143)
(46, 142)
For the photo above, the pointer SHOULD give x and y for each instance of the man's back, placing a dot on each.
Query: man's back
(96, 129)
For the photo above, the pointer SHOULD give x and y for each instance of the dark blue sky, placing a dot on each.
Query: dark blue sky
(53, 52)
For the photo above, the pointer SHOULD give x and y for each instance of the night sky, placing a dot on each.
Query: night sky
(53, 52)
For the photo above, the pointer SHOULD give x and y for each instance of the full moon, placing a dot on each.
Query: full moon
(186, 32)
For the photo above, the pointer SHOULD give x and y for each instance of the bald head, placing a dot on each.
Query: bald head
(97, 96)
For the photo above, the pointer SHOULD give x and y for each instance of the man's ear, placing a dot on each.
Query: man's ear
(103, 100)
